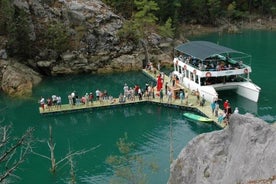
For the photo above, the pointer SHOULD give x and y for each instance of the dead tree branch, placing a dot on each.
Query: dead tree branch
(9, 150)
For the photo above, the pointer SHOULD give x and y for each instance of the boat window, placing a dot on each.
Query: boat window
(191, 76)
(183, 74)
(196, 79)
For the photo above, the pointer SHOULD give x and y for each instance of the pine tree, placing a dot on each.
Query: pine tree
(167, 30)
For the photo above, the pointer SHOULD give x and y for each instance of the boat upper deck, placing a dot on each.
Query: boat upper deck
(208, 57)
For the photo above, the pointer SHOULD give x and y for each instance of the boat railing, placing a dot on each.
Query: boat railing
(214, 71)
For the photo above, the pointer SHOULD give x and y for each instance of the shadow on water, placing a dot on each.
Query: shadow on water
(244, 105)
(200, 127)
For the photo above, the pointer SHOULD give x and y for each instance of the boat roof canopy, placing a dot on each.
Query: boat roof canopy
(204, 49)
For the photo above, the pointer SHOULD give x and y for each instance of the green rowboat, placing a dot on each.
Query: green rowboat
(196, 117)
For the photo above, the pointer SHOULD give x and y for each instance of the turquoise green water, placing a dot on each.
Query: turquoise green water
(148, 126)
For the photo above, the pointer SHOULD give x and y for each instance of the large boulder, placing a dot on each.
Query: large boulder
(242, 153)
(17, 79)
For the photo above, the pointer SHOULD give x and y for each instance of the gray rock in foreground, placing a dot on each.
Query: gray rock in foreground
(241, 153)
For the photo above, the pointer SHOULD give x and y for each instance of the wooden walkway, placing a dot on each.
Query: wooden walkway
(192, 100)
(176, 103)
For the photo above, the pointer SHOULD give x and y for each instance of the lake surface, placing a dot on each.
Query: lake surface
(149, 127)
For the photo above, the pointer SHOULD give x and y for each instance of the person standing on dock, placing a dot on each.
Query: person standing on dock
(216, 108)
(173, 80)
(203, 100)
(73, 95)
(213, 106)
(58, 102)
(70, 99)
(98, 94)
(42, 103)
(125, 89)
(152, 92)
(86, 96)
(91, 98)
(166, 88)
(181, 96)
(187, 97)
(136, 88)
(169, 96)
(140, 94)
(225, 105)
(161, 95)
(236, 111)
(197, 96)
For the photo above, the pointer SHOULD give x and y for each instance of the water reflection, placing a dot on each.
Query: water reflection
(200, 127)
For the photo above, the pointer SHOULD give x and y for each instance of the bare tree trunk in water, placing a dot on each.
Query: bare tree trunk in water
(69, 156)
(144, 45)
(52, 148)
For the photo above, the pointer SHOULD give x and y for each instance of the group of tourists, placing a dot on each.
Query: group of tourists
(51, 102)
(226, 113)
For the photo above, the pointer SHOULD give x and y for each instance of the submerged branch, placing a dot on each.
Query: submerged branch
(70, 154)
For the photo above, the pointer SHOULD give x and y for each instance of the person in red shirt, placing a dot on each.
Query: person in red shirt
(225, 105)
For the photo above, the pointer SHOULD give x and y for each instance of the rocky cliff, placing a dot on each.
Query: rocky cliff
(94, 44)
(92, 29)
(242, 153)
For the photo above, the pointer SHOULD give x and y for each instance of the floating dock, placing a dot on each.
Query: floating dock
(192, 104)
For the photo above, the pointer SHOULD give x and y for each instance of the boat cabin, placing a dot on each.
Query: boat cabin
(199, 64)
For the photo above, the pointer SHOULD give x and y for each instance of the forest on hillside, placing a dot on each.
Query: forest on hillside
(197, 11)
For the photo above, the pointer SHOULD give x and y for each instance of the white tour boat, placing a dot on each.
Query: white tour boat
(208, 68)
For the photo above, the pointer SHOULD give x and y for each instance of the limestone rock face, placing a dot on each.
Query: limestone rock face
(17, 79)
(242, 153)
(92, 28)
(94, 45)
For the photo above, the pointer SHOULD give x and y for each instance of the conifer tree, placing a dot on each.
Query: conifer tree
(167, 30)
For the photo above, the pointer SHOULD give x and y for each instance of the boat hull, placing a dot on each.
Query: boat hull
(196, 117)
(245, 89)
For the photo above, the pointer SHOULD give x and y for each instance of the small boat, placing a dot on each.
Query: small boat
(208, 67)
(196, 117)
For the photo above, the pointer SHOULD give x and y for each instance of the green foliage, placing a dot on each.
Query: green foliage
(19, 42)
(145, 11)
(130, 32)
(128, 167)
(141, 22)
(233, 12)
(122, 7)
(167, 30)
(200, 11)
(273, 10)
(57, 37)
(6, 16)
(214, 8)
(168, 8)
